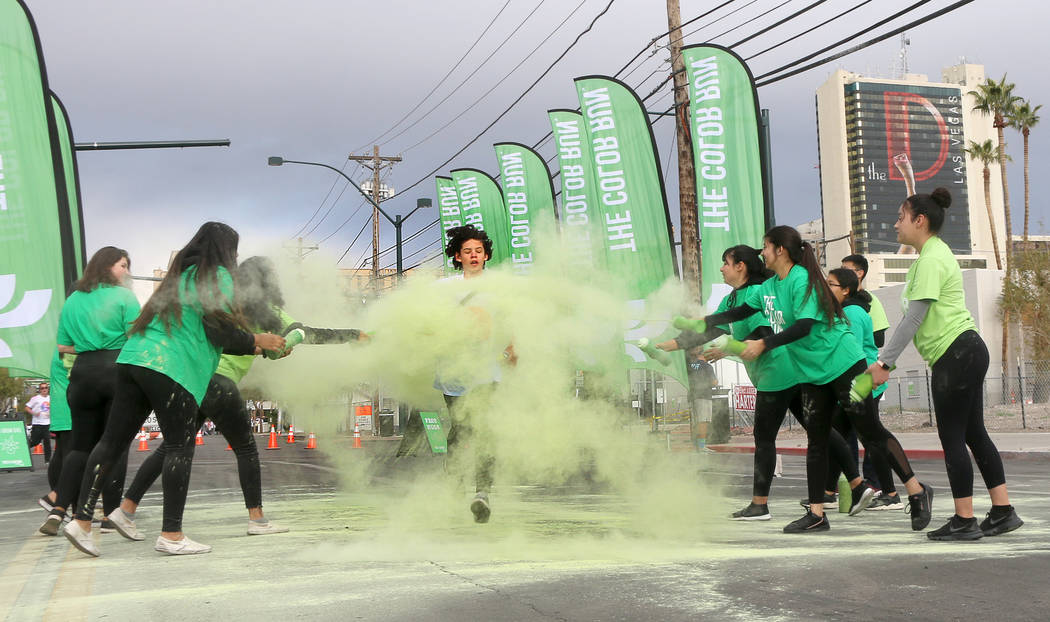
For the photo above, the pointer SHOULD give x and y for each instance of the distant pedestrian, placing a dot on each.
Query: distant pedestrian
(40, 407)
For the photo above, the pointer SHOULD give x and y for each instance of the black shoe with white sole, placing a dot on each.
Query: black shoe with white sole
(753, 511)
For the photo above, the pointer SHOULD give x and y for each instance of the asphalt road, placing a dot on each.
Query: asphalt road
(373, 539)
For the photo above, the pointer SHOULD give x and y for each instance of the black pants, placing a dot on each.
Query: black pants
(881, 471)
(467, 413)
(139, 390)
(92, 383)
(958, 404)
(770, 410)
(224, 406)
(818, 404)
(58, 457)
(41, 434)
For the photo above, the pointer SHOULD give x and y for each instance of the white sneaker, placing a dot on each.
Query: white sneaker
(261, 529)
(51, 525)
(80, 539)
(124, 525)
(180, 547)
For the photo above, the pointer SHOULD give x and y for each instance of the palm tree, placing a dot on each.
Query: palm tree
(986, 153)
(1023, 118)
(997, 99)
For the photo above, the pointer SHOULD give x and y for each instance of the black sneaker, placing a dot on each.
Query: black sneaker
(957, 529)
(996, 526)
(480, 507)
(753, 511)
(861, 498)
(829, 500)
(920, 506)
(809, 523)
(886, 502)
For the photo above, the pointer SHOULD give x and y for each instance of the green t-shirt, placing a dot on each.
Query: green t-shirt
(61, 420)
(826, 352)
(185, 355)
(860, 327)
(936, 276)
(879, 321)
(235, 367)
(773, 370)
(97, 320)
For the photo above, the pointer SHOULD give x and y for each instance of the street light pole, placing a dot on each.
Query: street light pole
(397, 220)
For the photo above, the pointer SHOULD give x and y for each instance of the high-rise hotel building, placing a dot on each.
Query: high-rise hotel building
(880, 140)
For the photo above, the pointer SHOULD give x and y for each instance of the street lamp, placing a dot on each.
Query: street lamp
(397, 220)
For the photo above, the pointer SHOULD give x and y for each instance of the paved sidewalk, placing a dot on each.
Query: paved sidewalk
(917, 445)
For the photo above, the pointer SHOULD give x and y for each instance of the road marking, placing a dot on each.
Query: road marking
(68, 601)
(18, 570)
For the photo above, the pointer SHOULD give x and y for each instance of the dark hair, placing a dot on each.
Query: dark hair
(801, 253)
(858, 260)
(99, 269)
(258, 292)
(847, 280)
(931, 206)
(757, 272)
(214, 245)
(458, 236)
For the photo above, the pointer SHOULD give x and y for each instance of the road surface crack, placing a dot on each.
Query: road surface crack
(497, 591)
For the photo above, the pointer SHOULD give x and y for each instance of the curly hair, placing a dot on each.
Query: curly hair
(458, 236)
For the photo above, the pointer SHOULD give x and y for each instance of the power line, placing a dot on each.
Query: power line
(440, 81)
(775, 24)
(334, 182)
(809, 30)
(363, 227)
(345, 222)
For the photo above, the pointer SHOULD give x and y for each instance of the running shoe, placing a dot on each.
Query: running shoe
(861, 497)
(753, 511)
(920, 506)
(809, 523)
(997, 526)
(957, 528)
(886, 502)
(45, 503)
(51, 525)
(105, 526)
(261, 529)
(80, 539)
(185, 546)
(124, 525)
(480, 507)
(829, 500)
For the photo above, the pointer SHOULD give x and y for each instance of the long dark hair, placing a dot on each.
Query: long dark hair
(99, 269)
(258, 292)
(802, 254)
(214, 245)
(757, 272)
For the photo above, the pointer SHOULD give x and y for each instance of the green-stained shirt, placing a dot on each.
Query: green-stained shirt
(826, 352)
(773, 370)
(185, 355)
(860, 327)
(879, 321)
(936, 276)
(235, 367)
(61, 420)
(97, 320)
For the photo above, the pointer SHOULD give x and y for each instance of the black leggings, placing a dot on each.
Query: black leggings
(879, 463)
(224, 406)
(139, 390)
(41, 434)
(92, 383)
(58, 456)
(467, 413)
(958, 383)
(770, 409)
(818, 404)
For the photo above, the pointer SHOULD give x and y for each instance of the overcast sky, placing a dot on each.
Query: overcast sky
(317, 80)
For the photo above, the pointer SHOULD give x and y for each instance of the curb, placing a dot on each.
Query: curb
(912, 454)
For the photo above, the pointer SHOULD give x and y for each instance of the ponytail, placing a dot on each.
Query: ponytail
(801, 253)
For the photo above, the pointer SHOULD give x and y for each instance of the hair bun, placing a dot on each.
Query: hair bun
(942, 197)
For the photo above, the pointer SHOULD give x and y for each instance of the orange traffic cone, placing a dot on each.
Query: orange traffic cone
(291, 435)
(200, 438)
(38, 449)
(357, 437)
(311, 441)
(143, 441)
(228, 448)
(273, 439)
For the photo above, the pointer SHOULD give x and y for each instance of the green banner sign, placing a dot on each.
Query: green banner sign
(69, 165)
(481, 205)
(529, 195)
(579, 204)
(448, 213)
(435, 433)
(14, 446)
(724, 124)
(636, 226)
(37, 261)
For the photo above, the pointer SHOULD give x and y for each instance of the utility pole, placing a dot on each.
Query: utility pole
(375, 162)
(686, 172)
(301, 250)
